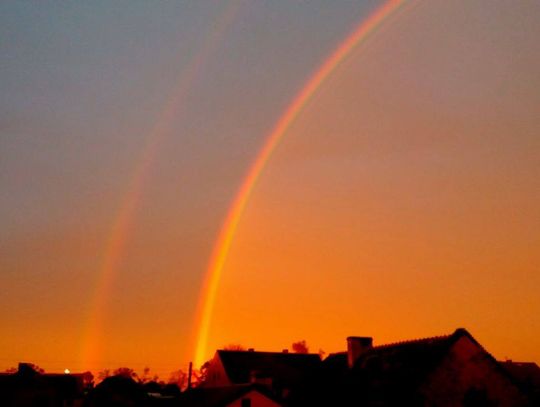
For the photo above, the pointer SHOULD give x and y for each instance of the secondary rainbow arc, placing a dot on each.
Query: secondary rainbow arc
(125, 218)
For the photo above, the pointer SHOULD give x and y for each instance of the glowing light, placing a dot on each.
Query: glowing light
(223, 243)
(66, 371)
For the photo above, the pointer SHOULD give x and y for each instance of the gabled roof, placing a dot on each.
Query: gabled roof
(395, 372)
(287, 368)
(390, 374)
(421, 352)
(409, 361)
(220, 396)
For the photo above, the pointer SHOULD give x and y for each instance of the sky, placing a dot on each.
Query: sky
(403, 201)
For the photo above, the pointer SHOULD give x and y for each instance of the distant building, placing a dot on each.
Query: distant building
(279, 372)
(241, 395)
(451, 370)
(527, 375)
(28, 388)
(118, 391)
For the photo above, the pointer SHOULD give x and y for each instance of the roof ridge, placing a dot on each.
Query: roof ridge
(414, 341)
(251, 352)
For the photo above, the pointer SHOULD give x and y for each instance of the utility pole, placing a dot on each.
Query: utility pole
(190, 372)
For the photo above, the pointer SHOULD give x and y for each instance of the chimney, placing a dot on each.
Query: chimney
(356, 346)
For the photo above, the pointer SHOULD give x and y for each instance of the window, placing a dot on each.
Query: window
(246, 402)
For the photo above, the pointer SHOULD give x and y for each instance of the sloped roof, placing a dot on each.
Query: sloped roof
(527, 376)
(287, 368)
(410, 360)
(389, 374)
(526, 372)
(220, 396)
(399, 369)
(383, 375)
(336, 361)
(420, 353)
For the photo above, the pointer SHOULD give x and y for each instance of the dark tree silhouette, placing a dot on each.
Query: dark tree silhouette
(178, 377)
(147, 377)
(200, 375)
(300, 347)
(117, 391)
(88, 380)
(126, 372)
(26, 367)
(234, 346)
(103, 374)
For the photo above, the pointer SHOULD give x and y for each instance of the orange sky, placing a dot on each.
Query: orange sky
(403, 202)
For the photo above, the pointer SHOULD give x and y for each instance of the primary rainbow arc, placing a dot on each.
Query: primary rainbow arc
(228, 230)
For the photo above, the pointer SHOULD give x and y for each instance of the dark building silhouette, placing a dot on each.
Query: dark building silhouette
(238, 395)
(444, 371)
(279, 372)
(451, 370)
(527, 375)
(29, 388)
(118, 391)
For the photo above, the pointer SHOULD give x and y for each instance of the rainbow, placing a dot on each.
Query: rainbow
(124, 220)
(228, 230)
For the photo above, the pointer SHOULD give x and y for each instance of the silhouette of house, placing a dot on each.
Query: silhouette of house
(240, 395)
(451, 370)
(527, 375)
(279, 372)
(26, 387)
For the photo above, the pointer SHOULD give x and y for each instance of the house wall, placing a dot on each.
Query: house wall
(257, 400)
(469, 376)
